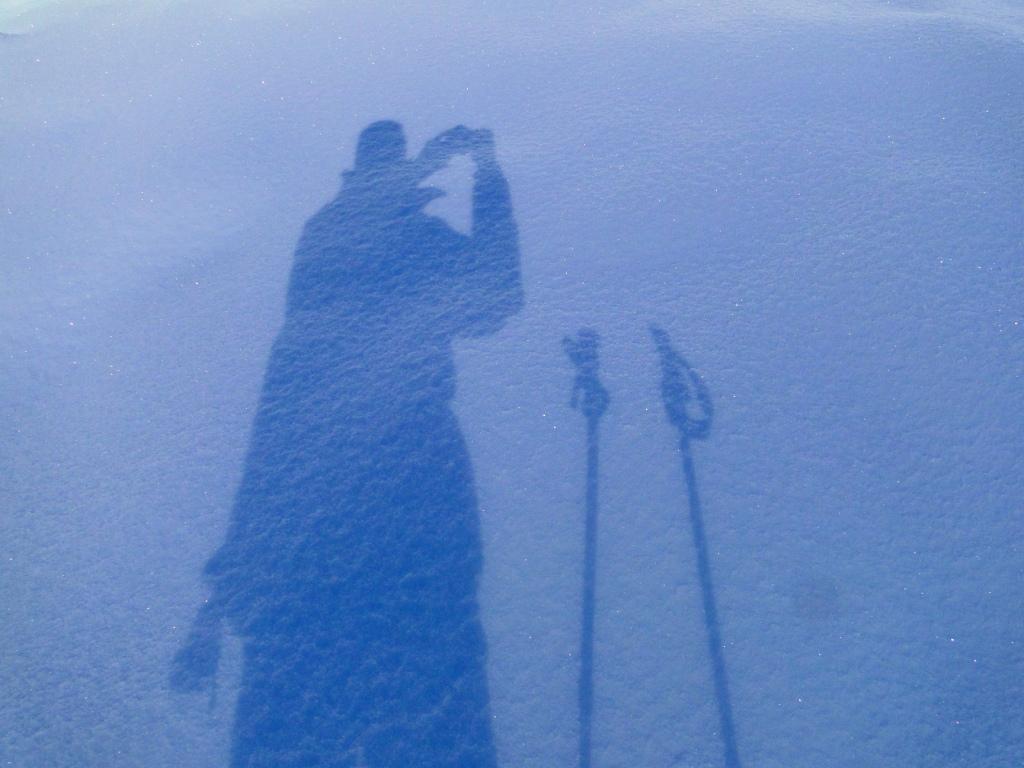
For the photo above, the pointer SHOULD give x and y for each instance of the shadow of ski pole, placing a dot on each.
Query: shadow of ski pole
(592, 399)
(678, 379)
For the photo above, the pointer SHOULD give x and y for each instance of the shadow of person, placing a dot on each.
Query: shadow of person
(351, 561)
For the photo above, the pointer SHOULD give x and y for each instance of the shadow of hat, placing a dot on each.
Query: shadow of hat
(381, 161)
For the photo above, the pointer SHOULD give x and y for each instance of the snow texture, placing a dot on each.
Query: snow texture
(819, 203)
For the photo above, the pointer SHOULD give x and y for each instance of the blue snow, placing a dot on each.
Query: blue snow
(292, 473)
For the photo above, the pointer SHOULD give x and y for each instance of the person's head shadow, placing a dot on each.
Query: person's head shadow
(351, 561)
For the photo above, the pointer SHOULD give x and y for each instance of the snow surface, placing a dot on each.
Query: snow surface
(821, 204)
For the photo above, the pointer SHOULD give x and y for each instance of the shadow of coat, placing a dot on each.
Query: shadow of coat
(351, 562)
